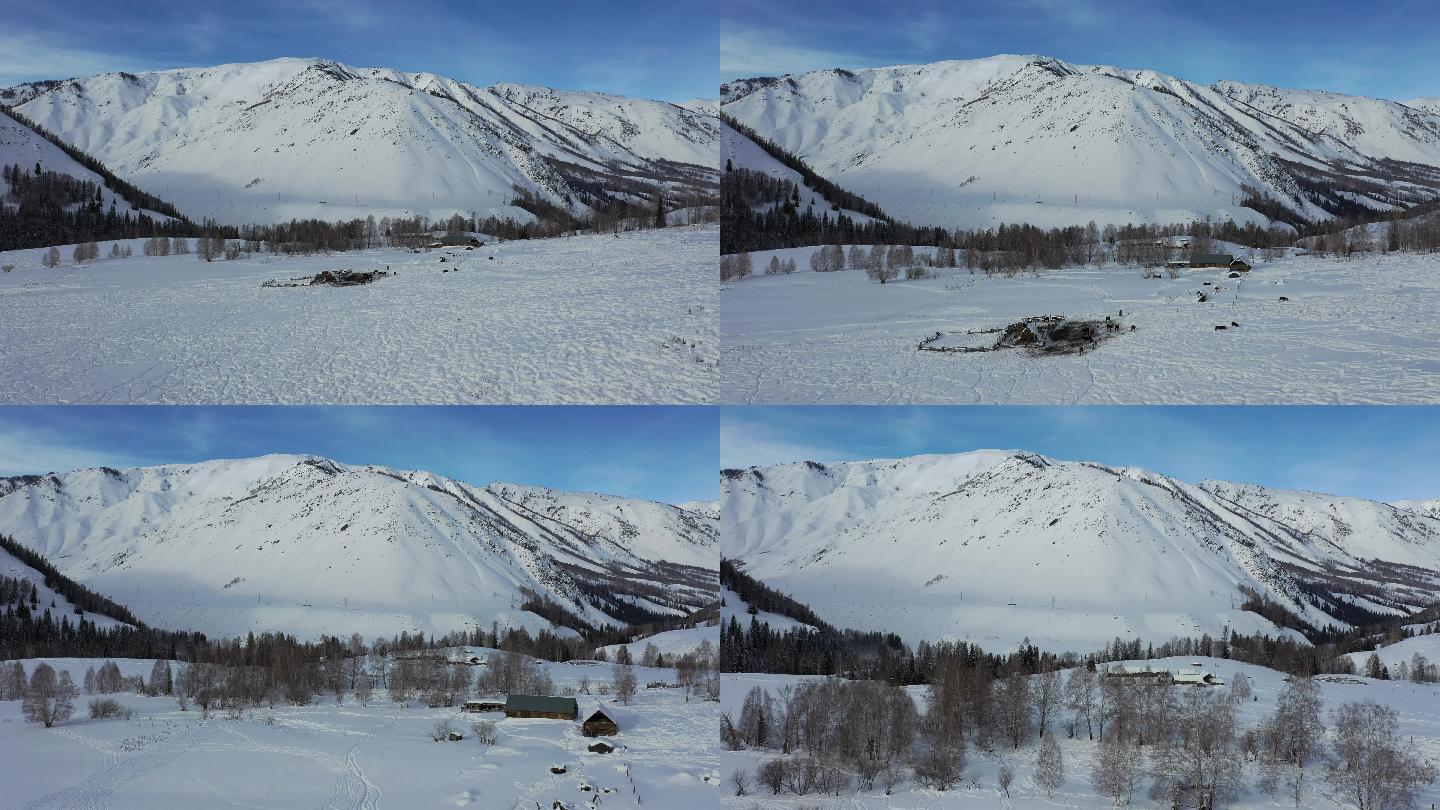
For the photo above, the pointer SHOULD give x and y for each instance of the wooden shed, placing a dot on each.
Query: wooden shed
(600, 747)
(600, 724)
(551, 708)
(1240, 266)
(484, 706)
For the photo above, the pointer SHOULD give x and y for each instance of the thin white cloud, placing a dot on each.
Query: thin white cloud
(749, 445)
(28, 57)
(37, 453)
(749, 53)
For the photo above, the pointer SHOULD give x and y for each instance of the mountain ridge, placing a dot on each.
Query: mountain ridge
(1035, 139)
(995, 546)
(307, 545)
(328, 140)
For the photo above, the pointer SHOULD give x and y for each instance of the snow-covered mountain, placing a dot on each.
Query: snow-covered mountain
(1032, 139)
(739, 151)
(1427, 104)
(309, 546)
(1429, 507)
(995, 546)
(288, 138)
(22, 146)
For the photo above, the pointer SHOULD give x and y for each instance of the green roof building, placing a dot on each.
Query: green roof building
(1211, 259)
(553, 708)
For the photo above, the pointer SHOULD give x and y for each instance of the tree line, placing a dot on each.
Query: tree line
(43, 208)
(1186, 743)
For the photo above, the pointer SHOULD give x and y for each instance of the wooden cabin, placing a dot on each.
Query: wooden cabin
(1211, 260)
(600, 724)
(483, 706)
(1240, 266)
(550, 708)
(600, 747)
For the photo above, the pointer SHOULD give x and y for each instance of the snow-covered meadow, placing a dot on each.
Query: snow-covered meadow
(358, 756)
(1418, 706)
(1353, 330)
(586, 319)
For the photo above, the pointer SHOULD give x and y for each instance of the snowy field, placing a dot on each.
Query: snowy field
(1354, 331)
(591, 319)
(353, 756)
(1417, 704)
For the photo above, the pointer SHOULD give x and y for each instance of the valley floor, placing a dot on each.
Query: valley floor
(1418, 706)
(588, 319)
(1356, 331)
(363, 757)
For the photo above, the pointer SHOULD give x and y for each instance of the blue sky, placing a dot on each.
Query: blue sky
(1384, 453)
(661, 453)
(661, 49)
(1384, 48)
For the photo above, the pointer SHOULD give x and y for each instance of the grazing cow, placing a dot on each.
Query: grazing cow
(1132, 327)
(1122, 313)
(1232, 323)
(1283, 298)
(1219, 328)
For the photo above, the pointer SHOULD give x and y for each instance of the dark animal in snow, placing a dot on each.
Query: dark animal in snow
(1283, 298)
(1219, 328)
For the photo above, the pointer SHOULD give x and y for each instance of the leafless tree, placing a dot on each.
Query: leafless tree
(1049, 765)
(773, 774)
(48, 699)
(624, 678)
(1292, 738)
(1006, 779)
(1080, 697)
(740, 781)
(1370, 768)
(12, 681)
(486, 731)
(1117, 769)
(941, 765)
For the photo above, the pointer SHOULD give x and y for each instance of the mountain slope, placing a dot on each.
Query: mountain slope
(293, 138)
(1033, 139)
(309, 546)
(995, 546)
(1429, 507)
(20, 145)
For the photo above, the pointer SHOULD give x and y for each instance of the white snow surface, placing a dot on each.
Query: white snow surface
(670, 642)
(1391, 655)
(309, 546)
(1416, 705)
(304, 137)
(363, 757)
(1011, 138)
(997, 546)
(584, 319)
(1353, 330)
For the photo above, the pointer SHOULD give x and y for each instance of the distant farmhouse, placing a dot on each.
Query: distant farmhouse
(551, 708)
(1184, 677)
(483, 706)
(1224, 260)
